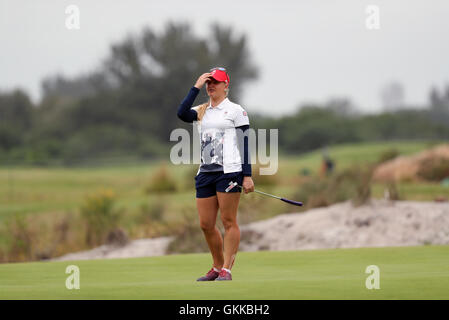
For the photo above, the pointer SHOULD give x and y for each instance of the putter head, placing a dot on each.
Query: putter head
(231, 186)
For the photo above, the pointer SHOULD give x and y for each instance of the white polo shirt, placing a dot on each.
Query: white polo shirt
(219, 145)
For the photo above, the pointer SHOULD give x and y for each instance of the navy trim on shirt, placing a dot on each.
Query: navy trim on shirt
(246, 163)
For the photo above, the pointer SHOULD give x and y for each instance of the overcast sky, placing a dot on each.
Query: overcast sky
(306, 50)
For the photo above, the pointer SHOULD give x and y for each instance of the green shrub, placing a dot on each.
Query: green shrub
(388, 155)
(161, 182)
(313, 193)
(253, 207)
(362, 180)
(351, 184)
(40, 237)
(189, 237)
(189, 176)
(153, 212)
(262, 179)
(100, 216)
(17, 240)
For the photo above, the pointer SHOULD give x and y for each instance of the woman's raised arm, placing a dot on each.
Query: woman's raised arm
(185, 112)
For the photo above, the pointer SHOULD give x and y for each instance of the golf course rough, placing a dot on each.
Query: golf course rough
(404, 273)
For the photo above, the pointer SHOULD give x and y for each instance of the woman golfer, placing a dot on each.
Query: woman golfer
(224, 159)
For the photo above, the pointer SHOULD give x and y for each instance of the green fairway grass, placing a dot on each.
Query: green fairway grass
(405, 273)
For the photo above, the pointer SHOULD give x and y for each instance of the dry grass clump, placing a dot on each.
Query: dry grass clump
(427, 165)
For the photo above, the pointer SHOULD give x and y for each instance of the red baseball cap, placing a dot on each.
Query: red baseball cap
(220, 74)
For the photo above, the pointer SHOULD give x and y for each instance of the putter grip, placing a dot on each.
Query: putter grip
(296, 203)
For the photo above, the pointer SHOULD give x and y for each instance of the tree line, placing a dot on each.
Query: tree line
(127, 105)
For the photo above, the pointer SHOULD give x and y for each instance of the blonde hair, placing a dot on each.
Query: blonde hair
(202, 107)
(201, 110)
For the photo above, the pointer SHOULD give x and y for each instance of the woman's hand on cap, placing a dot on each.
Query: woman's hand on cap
(202, 80)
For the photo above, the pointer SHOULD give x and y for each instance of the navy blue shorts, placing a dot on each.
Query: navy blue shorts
(208, 183)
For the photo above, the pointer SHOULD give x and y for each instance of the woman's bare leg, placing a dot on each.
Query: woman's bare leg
(207, 210)
(228, 204)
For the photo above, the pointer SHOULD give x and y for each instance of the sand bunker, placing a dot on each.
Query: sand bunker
(135, 248)
(382, 223)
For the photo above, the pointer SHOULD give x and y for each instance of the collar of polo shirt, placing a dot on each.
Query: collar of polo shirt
(220, 106)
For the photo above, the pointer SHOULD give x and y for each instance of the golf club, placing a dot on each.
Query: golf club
(234, 184)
